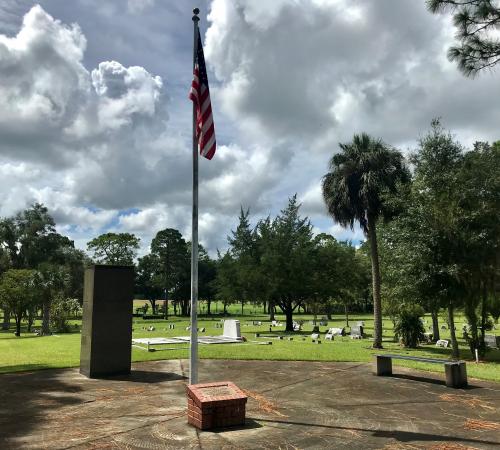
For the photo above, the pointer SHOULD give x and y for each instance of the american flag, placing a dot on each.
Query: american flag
(200, 95)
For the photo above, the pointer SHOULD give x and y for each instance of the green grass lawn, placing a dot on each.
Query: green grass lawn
(30, 352)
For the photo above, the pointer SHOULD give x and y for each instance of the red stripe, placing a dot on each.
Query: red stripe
(199, 94)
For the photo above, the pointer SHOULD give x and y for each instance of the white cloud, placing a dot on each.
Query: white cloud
(84, 124)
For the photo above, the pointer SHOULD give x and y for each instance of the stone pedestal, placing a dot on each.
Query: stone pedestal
(456, 374)
(383, 365)
(107, 321)
(215, 405)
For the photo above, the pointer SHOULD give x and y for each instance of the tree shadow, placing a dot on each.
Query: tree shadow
(26, 398)
(427, 380)
(146, 376)
(401, 436)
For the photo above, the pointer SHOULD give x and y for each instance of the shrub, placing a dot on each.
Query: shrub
(61, 310)
(408, 328)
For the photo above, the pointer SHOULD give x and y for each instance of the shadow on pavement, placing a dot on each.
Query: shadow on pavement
(250, 424)
(30, 399)
(401, 436)
(145, 376)
(424, 379)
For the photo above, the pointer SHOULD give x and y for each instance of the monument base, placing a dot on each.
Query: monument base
(215, 405)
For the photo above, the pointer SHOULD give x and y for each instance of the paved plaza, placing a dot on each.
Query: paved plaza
(292, 405)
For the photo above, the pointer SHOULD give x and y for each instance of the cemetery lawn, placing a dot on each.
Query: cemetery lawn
(30, 352)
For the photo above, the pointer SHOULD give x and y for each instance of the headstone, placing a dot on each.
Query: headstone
(328, 337)
(336, 331)
(106, 342)
(492, 341)
(323, 323)
(232, 329)
(360, 323)
(357, 331)
(314, 336)
(315, 329)
(428, 337)
(442, 343)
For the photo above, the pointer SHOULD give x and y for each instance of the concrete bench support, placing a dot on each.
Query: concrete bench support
(456, 375)
(383, 366)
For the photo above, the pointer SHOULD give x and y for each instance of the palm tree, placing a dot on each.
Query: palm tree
(354, 189)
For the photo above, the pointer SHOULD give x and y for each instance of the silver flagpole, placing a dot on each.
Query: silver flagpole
(193, 349)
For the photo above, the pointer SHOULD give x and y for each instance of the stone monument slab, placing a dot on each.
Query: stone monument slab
(106, 342)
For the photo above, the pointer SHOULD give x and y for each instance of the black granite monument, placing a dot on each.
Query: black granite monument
(107, 321)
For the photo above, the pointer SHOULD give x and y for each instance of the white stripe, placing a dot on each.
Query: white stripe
(208, 123)
(205, 105)
(208, 145)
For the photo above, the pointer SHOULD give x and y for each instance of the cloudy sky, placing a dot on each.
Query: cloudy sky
(95, 122)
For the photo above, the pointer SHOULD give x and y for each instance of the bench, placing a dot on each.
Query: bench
(456, 373)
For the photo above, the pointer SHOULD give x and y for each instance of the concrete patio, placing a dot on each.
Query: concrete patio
(292, 405)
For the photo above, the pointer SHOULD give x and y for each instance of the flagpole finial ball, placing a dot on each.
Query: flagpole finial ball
(196, 11)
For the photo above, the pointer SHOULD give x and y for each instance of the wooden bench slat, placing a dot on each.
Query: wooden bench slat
(416, 358)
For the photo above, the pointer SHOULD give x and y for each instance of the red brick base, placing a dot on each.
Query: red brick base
(215, 405)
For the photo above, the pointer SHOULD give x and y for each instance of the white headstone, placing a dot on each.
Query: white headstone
(335, 331)
(232, 329)
(442, 343)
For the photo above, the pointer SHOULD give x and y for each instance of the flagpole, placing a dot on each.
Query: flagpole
(193, 348)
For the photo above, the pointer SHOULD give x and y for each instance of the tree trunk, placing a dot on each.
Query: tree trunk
(208, 307)
(377, 304)
(484, 317)
(175, 308)
(225, 308)
(18, 325)
(153, 304)
(346, 309)
(6, 319)
(289, 318)
(46, 318)
(455, 353)
(435, 326)
(328, 309)
(31, 320)
(242, 303)
(271, 310)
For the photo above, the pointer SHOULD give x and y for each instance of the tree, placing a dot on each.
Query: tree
(172, 254)
(360, 176)
(29, 240)
(149, 282)
(476, 22)
(478, 230)
(244, 249)
(287, 255)
(52, 282)
(339, 275)
(207, 274)
(226, 278)
(114, 248)
(17, 293)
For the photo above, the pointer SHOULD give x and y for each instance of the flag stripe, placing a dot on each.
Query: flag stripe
(199, 94)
